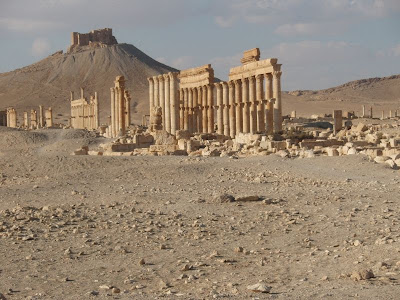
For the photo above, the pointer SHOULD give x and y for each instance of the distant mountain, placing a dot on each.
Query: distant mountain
(371, 90)
(49, 81)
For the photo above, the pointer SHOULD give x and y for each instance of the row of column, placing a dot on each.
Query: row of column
(11, 117)
(196, 109)
(242, 106)
(163, 92)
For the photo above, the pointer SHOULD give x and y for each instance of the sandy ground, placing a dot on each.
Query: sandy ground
(82, 227)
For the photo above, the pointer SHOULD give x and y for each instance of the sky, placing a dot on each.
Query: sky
(321, 43)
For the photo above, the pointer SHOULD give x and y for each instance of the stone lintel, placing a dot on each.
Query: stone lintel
(254, 68)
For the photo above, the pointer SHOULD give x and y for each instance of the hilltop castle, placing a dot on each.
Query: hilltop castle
(95, 38)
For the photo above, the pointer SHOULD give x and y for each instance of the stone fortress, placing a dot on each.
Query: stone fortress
(95, 38)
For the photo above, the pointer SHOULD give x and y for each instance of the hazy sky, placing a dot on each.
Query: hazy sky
(321, 43)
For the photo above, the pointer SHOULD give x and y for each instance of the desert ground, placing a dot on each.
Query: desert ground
(88, 227)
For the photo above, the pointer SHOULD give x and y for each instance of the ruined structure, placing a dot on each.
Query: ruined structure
(84, 114)
(243, 104)
(11, 117)
(49, 117)
(34, 124)
(95, 38)
(163, 92)
(120, 108)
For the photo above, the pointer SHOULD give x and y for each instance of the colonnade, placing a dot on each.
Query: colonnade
(120, 108)
(163, 92)
(196, 109)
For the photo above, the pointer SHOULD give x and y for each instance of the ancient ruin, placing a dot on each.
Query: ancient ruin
(95, 38)
(120, 108)
(12, 118)
(243, 104)
(84, 113)
(163, 93)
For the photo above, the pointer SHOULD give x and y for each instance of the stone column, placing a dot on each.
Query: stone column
(278, 101)
(337, 121)
(121, 118)
(173, 102)
(232, 117)
(185, 109)
(363, 112)
(246, 105)
(41, 116)
(239, 106)
(96, 111)
(127, 109)
(181, 109)
(190, 109)
(151, 93)
(383, 115)
(112, 112)
(200, 109)
(370, 113)
(268, 86)
(205, 108)
(117, 110)
(156, 95)
(260, 104)
(253, 105)
(210, 112)
(26, 121)
(195, 110)
(167, 116)
(270, 116)
(162, 98)
(225, 101)
(49, 117)
(220, 121)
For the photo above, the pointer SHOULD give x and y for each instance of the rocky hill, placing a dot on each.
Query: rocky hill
(50, 80)
(371, 90)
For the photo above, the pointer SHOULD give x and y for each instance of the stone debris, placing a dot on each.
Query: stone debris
(259, 288)
(362, 275)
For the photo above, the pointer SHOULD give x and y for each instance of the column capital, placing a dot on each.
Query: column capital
(237, 82)
(160, 78)
(150, 79)
(252, 79)
(218, 85)
(259, 76)
(155, 79)
(277, 74)
(112, 90)
(165, 77)
(173, 75)
(268, 76)
(231, 84)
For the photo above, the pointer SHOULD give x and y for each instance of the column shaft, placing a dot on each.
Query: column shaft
(246, 106)
(167, 104)
(195, 110)
(200, 109)
(162, 98)
(253, 105)
(190, 110)
(225, 102)
(205, 108)
(278, 102)
(239, 106)
(220, 121)
(210, 112)
(232, 119)
(174, 103)
(260, 103)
